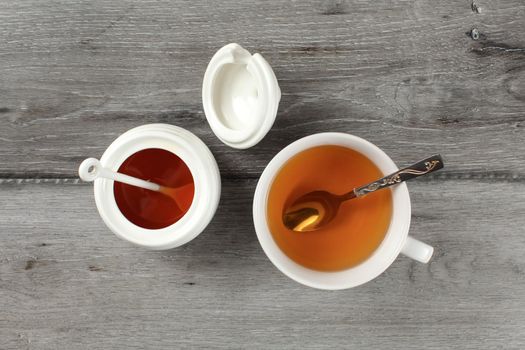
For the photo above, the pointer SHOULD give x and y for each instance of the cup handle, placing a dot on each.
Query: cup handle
(417, 250)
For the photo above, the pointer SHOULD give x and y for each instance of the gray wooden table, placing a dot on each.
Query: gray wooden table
(415, 77)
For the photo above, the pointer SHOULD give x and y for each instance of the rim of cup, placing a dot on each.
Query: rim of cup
(380, 259)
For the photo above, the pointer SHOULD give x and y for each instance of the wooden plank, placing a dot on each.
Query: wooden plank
(409, 76)
(67, 282)
(405, 76)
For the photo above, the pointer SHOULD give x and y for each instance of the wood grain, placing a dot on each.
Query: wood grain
(411, 76)
(66, 281)
(408, 77)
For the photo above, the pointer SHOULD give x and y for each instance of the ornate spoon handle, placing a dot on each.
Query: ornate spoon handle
(422, 167)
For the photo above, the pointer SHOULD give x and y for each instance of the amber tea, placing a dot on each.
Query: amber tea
(360, 225)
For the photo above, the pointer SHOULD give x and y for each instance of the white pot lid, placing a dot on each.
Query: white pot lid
(240, 95)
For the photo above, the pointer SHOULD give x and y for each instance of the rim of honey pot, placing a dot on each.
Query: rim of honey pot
(203, 168)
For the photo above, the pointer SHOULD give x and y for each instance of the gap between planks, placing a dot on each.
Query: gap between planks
(492, 176)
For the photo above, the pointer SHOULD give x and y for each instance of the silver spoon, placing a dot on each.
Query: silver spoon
(315, 209)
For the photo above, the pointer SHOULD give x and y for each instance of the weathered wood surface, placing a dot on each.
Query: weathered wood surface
(406, 75)
(66, 282)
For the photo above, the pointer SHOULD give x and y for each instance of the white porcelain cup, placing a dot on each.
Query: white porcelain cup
(396, 239)
(202, 166)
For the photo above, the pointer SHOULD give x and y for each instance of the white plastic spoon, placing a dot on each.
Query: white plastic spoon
(91, 169)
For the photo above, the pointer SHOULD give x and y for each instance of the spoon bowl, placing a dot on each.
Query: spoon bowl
(311, 211)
